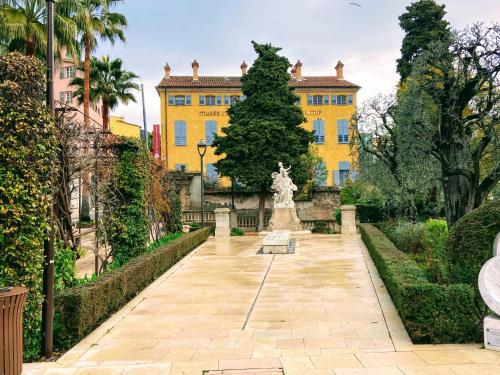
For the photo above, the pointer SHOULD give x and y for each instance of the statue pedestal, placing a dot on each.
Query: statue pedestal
(285, 219)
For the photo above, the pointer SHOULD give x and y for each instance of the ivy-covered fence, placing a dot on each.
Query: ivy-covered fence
(27, 153)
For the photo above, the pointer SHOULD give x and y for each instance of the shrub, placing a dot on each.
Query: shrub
(27, 154)
(432, 313)
(338, 216)
(407, 236)
(64, 268)
(470, 245)
(125, 216)
(80, 309)
(236, 232)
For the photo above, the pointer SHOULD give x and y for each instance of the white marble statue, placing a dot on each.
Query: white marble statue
(283, 188)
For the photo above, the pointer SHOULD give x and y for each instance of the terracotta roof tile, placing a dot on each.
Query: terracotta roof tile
(220, 81)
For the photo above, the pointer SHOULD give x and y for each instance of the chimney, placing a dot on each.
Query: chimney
(244, 67)
(340, 70)
(167, 71)
(195, 65)
(294, 73)
(298, 70)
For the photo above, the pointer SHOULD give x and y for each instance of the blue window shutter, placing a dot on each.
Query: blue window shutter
(309, 99)
(334, 99)
(322, 127)
(202, 99)
(343, 131)
(336, 178)
(210, 130)
(61, 97)
(171, 100)
(319, 131)
(219, 100)
(325, 99)
(180, 133)
(212, 173)
(226, 100)
(188, 99)
(316, 131)
(61, 73)
(349, 99)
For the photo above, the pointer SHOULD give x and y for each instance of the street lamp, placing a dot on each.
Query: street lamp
(202, 149)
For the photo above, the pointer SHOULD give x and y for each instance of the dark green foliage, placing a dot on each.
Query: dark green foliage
(236, 232)
(470, 244)
(27, 152)
(125, 216)
(173, 219)
(64, 268)
(422, 23)
(432, 313)
(407, 236)
(79, 310)
(163, 241)
(265, 127)
(370, 205)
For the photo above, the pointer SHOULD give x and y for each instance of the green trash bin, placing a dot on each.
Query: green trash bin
(11, 332)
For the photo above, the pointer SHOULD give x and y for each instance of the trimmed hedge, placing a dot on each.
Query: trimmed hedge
(431, 313)
(79, 310)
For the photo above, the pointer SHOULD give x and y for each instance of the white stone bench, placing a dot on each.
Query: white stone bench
(276, 242)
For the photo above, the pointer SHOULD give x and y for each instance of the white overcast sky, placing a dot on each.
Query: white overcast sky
(318, 32)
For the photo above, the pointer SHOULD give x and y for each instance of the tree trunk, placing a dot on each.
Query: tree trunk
(105, 115)
(86, 83)
(30, 47)
(262, 209)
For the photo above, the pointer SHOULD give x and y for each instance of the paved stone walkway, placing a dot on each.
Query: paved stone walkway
(226, 310)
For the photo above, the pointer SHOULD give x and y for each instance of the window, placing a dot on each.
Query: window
(341, 99)
(67, 72)
(325, 99)
(171, 100)
(227, 100)
(219, 100)
(349, 99)
(202, 99)
(180, 133)
(334, 99)
(343, 131)
(66, 97)
(315, 99)
(180, 100)
(188, 99)
(212, 173)
(341, 175)
(320, 177)
(319, 131)
(210, 130)
(181, 167)
(210, 100)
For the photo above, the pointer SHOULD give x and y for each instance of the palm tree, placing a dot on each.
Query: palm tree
(23, 26)
(94, 19)
(109, 83)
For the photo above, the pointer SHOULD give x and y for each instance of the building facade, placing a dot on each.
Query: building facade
(195, 107)
(64, 94)
(118, 126)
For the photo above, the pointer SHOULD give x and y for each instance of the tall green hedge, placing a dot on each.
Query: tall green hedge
(431, 313)
(79, 310)
(27, 153)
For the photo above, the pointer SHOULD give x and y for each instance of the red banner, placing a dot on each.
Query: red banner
(156, 142)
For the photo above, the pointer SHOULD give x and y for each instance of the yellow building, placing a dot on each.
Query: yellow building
(119, 126)
(193, 107)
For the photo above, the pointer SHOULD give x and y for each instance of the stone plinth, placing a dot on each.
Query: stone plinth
(222, 222)
(276, 242)
(285, 219)
(492, 332)
(348, 219)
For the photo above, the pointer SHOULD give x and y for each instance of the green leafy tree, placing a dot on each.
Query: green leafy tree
(265, 127)
(95, 19)
(27, 153)
(109, 83)
(23, 26)
(422, 23)
(462, 84)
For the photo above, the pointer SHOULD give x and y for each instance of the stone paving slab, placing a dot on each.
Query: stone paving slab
(323, 310)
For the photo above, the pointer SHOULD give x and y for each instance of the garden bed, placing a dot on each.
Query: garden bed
(431, 312)
(80, 309)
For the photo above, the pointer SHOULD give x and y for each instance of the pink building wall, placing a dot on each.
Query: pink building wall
(61, 85)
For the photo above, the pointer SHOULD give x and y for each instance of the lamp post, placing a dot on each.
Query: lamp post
(202, 149)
